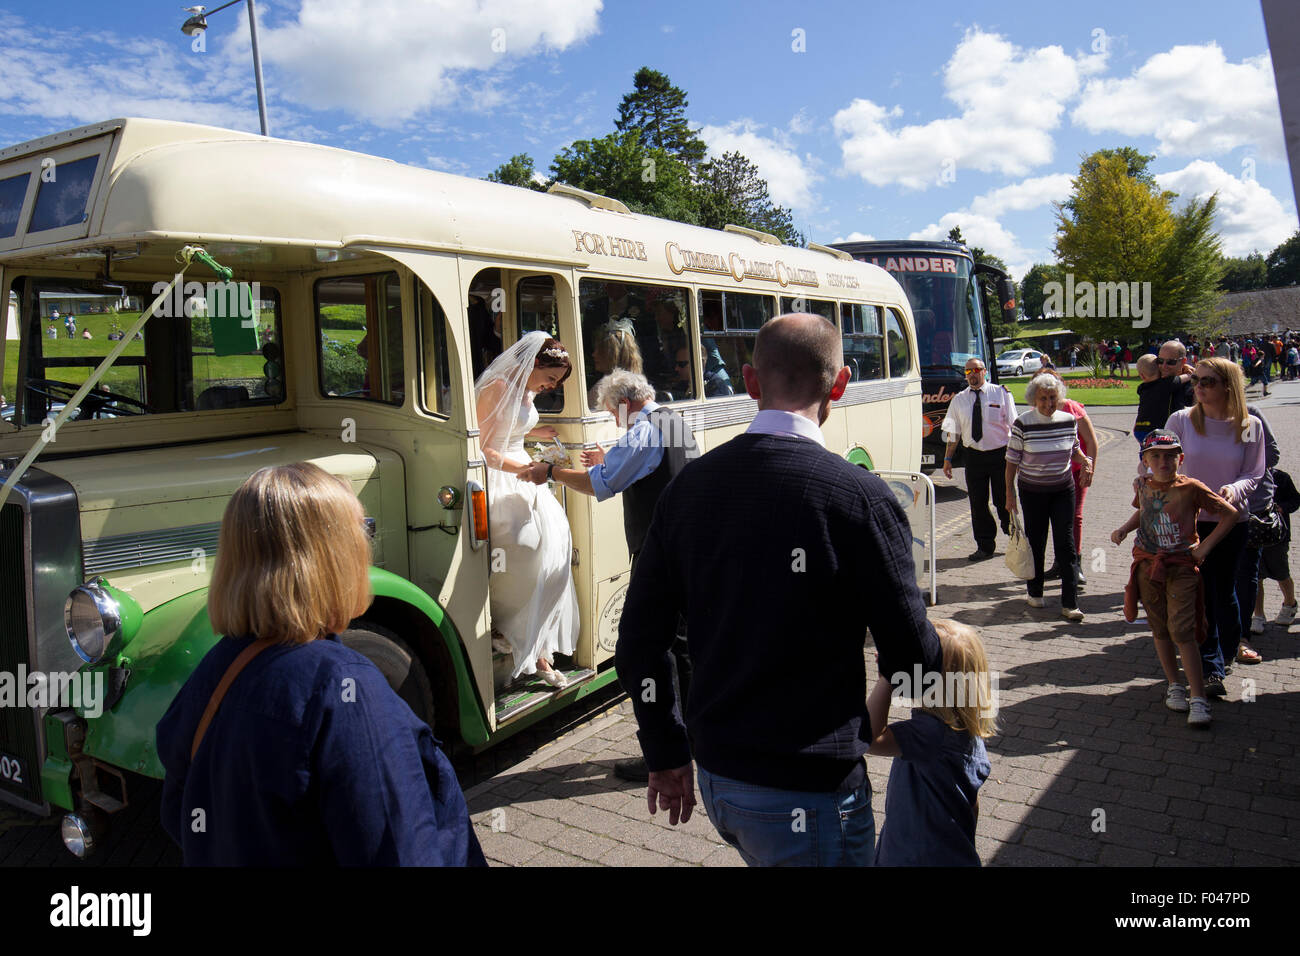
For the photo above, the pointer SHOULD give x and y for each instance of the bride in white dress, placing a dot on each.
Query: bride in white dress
(533, 602)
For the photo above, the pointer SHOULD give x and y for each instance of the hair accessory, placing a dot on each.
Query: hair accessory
(555, 353)
(620, 324)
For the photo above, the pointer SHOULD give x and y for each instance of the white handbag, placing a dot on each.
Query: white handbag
(1020, 557)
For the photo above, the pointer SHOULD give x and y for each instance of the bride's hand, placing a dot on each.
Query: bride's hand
(544, 431)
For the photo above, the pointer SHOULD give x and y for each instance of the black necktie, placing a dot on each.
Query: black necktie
(977, 418)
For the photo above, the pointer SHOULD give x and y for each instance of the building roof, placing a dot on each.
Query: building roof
(1262, 310)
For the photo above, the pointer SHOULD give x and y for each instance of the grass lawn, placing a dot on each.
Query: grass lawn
(1088, 397)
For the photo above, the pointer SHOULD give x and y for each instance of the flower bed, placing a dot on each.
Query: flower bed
(1098, 383)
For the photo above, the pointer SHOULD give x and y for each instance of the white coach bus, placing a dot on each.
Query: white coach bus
(380, 291)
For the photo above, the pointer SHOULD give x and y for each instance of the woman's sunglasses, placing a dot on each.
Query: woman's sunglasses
(1205, 381)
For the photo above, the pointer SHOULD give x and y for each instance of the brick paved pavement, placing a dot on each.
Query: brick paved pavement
(1085, 737)
(1083, 729)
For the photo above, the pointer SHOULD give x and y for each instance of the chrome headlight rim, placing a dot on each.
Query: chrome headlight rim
(110, 618)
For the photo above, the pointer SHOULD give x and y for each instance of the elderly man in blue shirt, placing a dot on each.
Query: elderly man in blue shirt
(656, 446)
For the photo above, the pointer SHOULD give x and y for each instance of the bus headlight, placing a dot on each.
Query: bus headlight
(99, 619)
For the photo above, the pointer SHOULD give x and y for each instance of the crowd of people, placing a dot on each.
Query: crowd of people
(295, 775)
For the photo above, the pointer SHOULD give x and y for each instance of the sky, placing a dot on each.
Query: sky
(868, 119)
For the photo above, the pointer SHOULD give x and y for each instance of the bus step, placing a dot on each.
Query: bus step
(532, 692)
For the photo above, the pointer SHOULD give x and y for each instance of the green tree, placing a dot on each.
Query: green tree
(1114, 228)
(954, 235)
(1243, 274)
(657, 111)
(519, 171)
(621, 166)
(1031, 288)
(1186, 290)
(1284, 263)
(730, 190)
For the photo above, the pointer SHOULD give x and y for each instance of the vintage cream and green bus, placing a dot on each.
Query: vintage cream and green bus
(379, 291)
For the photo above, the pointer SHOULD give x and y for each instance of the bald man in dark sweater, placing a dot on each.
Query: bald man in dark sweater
(781, 555)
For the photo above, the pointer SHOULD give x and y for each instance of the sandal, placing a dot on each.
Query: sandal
(1248, 655)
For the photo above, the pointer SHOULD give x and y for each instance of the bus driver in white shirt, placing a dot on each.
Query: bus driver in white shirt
(980, 418)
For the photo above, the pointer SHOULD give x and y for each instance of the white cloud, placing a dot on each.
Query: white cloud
(1192, 100)
(1010, 100)
(48, 74)
(349, 55)
(1027, 194)
(1248, 217)
(980, 225)
(855, 237)
(789, 179)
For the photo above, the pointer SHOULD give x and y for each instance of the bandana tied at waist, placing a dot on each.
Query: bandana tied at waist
(1158, 560)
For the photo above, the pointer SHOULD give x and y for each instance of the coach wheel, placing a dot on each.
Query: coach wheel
(398, 663)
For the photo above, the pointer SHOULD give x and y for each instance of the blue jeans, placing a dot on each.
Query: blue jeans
(790, 827)
(1223, 616)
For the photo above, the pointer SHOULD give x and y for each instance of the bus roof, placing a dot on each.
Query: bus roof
(167, 180)
(892, 245)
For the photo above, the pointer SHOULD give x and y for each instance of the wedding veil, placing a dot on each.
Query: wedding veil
(507, 374)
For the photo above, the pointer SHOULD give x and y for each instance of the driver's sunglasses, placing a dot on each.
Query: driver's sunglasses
(972, 371)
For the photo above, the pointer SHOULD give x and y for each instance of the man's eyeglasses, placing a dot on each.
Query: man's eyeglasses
(1205, 381)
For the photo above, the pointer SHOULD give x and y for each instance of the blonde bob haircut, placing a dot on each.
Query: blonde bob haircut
(1234, 388)
(968, 698)
(293, 558)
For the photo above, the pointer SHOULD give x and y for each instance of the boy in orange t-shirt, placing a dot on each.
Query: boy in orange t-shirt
(1165, 568)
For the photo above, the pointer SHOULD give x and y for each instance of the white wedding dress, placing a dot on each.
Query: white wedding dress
(533, 601)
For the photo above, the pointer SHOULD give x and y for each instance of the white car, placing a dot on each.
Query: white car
(1019, 361)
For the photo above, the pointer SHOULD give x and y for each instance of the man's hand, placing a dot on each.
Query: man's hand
(674, 791)
(536, 473)
(593, 456)
(947, 468)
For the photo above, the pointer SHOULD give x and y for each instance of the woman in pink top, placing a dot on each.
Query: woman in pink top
(1224, 449)
(1088, 445)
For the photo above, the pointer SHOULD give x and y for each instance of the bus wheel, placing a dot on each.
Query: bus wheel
(397, 662)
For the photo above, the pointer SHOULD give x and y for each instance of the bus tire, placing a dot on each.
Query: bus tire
(398, 663)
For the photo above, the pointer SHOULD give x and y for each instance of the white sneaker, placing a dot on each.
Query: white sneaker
(1176, 698)
(1257, 624)
(1036, 602)
(1198, 713)
(1286, 615)
(1072, 614)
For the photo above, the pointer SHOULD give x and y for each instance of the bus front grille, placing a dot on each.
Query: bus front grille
(20, 760)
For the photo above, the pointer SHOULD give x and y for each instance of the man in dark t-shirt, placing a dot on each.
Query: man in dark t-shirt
(1159, 399)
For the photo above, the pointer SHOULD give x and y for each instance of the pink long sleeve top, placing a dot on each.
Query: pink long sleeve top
(1217, 458)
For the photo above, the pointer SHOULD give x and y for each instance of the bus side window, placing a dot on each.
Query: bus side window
(640, 328)
(900, 353)
(359, 338)
(863, 343)
(536, 308)
(437, 360)
(729, 324)
(812, 306)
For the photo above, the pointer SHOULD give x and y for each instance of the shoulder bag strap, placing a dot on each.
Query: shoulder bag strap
(237, 665)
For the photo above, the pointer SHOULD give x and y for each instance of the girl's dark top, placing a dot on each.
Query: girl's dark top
(311, 760)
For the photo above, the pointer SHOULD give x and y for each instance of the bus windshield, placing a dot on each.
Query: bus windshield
(949, 317)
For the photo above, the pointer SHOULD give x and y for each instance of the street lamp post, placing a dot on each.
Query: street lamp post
(199, 22)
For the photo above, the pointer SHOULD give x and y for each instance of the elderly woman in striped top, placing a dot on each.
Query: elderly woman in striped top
(1044, 442)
